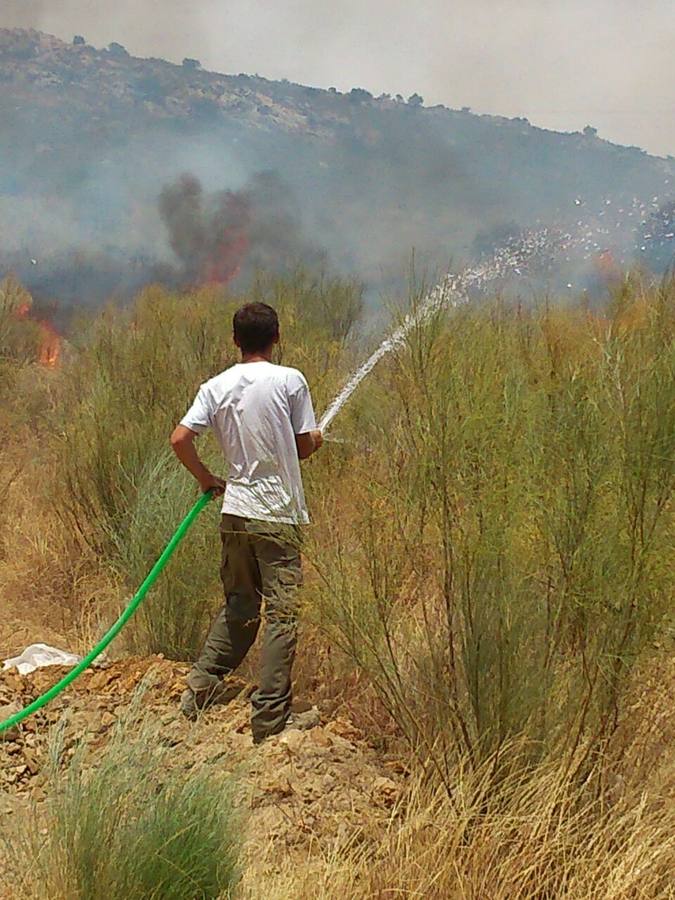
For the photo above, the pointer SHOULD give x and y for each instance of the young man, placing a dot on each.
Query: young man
(263, 419)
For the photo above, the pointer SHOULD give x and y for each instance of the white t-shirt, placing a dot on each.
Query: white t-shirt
(255, 410)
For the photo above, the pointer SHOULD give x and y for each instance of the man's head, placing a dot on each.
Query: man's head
(256, 328)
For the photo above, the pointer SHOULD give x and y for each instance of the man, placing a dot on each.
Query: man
(263, 418)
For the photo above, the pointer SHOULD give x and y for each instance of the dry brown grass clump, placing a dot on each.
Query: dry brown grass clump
(533, 836)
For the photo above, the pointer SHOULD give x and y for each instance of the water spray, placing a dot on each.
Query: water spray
(452, 291)
(513, 258)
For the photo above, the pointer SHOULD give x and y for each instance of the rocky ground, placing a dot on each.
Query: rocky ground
(302, 791)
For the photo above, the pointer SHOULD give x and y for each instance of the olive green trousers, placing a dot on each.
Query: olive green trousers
(260, 564)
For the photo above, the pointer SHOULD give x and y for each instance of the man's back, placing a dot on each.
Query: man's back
(256, 409)
(263, 418)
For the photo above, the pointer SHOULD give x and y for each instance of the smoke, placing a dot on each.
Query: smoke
(212, 237)
(209, 235)
(92, 204)
(23, 13)
(215, 236)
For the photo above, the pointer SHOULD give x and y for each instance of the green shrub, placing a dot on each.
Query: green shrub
(131, 828)
(173, 618)
(504, 563)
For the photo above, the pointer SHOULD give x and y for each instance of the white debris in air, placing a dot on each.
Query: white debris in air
(592, 234)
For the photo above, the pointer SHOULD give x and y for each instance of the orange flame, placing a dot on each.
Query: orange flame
(50, 345)
(606, 267)
(49, 349)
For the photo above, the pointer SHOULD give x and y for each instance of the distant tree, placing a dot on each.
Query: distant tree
(399, 98)
(118, 50)
(78, 40)
(590, 132)
(359, 95)
(190, 63)
(415, 100)
(466, 109)
(332, 90)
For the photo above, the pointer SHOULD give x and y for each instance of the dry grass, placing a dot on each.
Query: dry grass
(529, 836)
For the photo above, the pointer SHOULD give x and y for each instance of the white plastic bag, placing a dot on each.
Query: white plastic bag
(38, 655)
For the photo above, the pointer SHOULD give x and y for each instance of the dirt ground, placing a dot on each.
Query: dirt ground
(302, 791)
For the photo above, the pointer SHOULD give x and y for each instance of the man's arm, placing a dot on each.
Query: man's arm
(308, 443)
(183, 445)
(308, 438)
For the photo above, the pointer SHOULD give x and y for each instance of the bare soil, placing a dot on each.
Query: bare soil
(303, 791)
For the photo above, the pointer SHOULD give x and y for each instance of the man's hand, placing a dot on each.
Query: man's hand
(182, 441)
(212, 483)
(308, 443)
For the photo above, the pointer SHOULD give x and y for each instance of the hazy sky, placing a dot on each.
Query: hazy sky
(562, 63)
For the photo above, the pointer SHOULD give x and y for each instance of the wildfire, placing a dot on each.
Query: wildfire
(225, 264)
(224, 253)
(211, 233)
(49, 347)
(607, 267)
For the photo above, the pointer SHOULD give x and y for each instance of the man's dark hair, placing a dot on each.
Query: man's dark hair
(256, 327)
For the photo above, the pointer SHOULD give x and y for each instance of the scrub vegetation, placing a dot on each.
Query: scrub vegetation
(128, 827)
(489, 570)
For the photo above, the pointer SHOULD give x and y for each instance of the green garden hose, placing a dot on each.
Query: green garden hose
(112, 633)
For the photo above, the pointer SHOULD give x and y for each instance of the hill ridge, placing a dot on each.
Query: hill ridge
(93, 136)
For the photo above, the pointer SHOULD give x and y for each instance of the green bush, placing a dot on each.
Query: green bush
(505, 561)
(174, 617)
(132, 828)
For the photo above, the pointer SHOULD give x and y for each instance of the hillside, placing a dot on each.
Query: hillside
(91, 138)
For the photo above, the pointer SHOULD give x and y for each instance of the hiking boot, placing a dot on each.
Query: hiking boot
(303, 721)
(188, 705)
(194, 702)
(296, 721)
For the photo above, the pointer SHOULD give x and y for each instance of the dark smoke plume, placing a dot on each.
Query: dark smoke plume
(217, 236)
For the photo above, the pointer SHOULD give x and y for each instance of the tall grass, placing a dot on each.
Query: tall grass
(491, 555)
(131, 828)
(132, 376)
(503, 560)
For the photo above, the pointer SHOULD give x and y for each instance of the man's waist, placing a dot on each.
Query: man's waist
(267, 505)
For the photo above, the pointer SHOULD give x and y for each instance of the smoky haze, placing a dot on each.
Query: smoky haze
(608, 63)
(117, 170)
